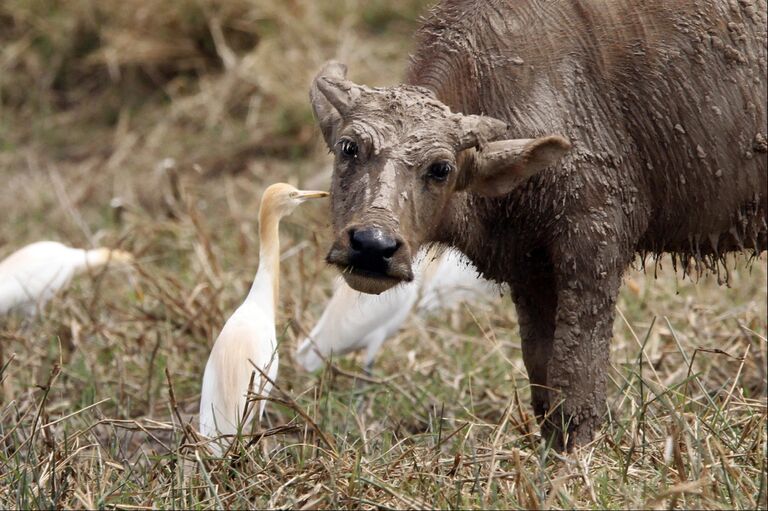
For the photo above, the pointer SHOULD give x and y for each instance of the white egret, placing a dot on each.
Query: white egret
(32, 275)
(443, 278)
(248, 338)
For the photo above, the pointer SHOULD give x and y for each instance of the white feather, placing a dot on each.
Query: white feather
(353, 321)
(247, 340)
(450, 280)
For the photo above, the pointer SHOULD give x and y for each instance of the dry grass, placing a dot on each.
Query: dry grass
(154, 126)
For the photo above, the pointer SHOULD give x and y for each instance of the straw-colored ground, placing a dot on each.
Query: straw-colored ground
(154, 126)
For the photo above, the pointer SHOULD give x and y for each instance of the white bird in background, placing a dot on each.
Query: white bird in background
(32, 275)
(248, 338)
(443, 278)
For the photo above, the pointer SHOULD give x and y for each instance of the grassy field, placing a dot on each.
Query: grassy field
(154, 127)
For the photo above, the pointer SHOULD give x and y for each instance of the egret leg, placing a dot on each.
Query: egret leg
(368, 368)
(375, 340)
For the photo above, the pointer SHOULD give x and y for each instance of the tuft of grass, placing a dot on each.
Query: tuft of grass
(155, 127)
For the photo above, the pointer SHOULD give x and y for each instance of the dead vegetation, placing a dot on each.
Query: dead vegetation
(154, 127)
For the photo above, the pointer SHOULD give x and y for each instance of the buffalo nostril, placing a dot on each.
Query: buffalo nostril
(354, 242)
(390, 250)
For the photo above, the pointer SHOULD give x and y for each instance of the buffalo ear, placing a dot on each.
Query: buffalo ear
(332, 97)
(497, 168)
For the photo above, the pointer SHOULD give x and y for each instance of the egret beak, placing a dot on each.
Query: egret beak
(312, 195)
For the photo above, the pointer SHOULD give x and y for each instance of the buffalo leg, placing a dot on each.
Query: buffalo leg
(588, 280)
(533, 288)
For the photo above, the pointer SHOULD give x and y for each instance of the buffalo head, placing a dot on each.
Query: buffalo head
(400, 156)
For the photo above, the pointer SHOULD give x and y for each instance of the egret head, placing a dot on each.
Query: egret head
(107, 256)
(281, 199)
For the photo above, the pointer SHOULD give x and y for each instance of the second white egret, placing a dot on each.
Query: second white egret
(33, 275)
(352, 321)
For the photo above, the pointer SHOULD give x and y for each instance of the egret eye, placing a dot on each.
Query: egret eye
(439, 170)
(348, 148)
(293, 195)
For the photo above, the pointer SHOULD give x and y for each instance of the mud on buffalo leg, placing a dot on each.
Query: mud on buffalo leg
(588, 271)
(533, 288)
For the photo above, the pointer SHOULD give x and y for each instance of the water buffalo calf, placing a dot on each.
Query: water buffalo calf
(645, 132)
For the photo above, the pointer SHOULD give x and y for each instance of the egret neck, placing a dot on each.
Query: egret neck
(266, 284)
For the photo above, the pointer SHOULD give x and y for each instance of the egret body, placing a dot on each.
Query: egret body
(32, 275)
(354, 321)
(248, 338)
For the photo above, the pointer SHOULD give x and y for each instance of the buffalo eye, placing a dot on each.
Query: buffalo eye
(440, 170)
(348, 148)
